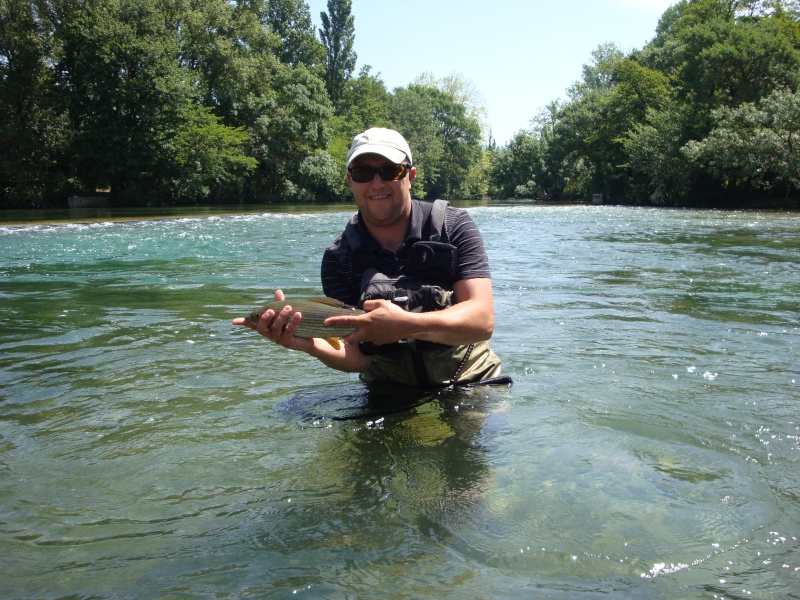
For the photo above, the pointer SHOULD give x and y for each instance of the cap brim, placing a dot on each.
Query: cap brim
(392, 154)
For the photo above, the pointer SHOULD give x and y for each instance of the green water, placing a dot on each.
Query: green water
(648, 448)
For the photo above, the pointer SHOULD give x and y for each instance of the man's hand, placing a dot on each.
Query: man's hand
(281, 330)
(383, 323)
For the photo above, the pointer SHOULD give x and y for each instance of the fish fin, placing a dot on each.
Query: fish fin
(333, 342)
(330, 302)
(416, 310)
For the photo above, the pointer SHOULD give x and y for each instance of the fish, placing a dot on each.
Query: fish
(314, 311)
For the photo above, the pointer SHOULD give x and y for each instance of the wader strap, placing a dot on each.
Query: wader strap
(357, 246)
(432, 231)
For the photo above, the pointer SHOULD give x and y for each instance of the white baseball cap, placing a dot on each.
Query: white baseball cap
(379, 140)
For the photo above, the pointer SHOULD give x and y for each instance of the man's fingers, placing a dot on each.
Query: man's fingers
(292, 324)
(343, 321)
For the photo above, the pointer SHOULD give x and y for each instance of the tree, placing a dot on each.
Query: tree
(718, 55)
(514, 168)
(229, 55)
(31, 126)
(660, 174)
(464, 92)
(338, 35)
(446, 141)
(584, 133)
(209, 156)
(623, 131)
(290, 20)
(132, 76)
(523, 168)
(412, 115)
(292, 124)
(756, 145)
(636, 92)
(598, 75)
(724, 61)
(124, 92)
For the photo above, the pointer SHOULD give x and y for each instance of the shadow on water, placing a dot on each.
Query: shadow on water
(354, 400)
(389, 496)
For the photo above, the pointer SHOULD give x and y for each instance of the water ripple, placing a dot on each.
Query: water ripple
(648, 447)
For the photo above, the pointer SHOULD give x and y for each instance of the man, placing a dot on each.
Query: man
(419, 271)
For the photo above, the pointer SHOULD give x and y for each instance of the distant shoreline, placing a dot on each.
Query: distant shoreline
(64, 216)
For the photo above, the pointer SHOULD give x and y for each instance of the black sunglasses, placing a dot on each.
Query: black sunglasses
(387, 173)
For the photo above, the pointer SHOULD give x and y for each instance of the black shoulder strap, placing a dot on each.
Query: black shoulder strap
(357, 246)
(433, 214)
(351, 234)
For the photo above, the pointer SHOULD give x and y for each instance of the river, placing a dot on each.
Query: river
(649, 446)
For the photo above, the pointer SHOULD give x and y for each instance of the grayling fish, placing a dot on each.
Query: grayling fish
(314, 311)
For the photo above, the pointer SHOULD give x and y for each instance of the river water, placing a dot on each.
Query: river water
(648, 448)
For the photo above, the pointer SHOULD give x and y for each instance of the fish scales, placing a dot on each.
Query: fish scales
(314, 311)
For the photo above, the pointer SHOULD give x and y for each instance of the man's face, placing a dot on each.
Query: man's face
(382, 203)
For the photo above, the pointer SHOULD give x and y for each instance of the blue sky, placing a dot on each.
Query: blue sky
(519, 54)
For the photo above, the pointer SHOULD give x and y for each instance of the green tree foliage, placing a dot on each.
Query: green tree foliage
(235, 54)
(463, 91)
(755, 144)
(723, 61)
(513, 171)
(413, 117)
(174, 102)
(123, 90)
(699, 115)
(585, 134)
(473, 180)
(179, 101)
(660, 173)
(228, 54)
(209, 156)
(162, 102)
(290, 20)
(522, 169)
(31, 127)
(292, 125)
(338, 35)
(446, 142)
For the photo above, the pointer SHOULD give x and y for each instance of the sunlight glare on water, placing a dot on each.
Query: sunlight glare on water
(648, 446)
